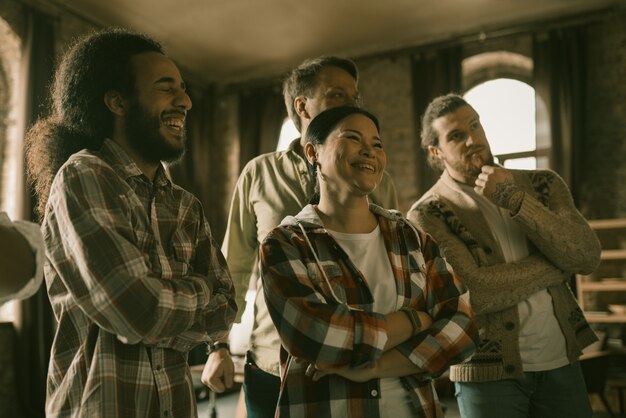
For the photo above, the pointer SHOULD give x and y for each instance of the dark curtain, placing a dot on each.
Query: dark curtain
(34, 319)
(435, 72)
(195, 172)
(261, 115)
(560, 86)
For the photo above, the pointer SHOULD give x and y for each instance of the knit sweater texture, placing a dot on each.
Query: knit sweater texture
(561, 244)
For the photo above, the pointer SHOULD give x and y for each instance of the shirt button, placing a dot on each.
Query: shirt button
(374, 392)
(509, 369)
(509, 326)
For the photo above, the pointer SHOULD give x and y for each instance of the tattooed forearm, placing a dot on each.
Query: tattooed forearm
(508, 195)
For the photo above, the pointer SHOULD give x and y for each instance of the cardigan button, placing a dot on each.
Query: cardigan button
(488, 250)
(374, 392)
(509, 326)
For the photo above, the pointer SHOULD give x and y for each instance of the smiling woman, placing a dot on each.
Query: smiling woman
(362, 301)
(347, 154)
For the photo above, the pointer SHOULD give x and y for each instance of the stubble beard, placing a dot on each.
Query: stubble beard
(142, 131)
(470, 167)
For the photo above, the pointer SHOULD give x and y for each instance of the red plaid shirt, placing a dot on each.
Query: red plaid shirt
(314, 327)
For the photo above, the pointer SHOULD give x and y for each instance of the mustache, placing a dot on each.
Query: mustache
(475, 149)
(175, 112)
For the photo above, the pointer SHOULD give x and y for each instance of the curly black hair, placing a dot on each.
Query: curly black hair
(79, 118)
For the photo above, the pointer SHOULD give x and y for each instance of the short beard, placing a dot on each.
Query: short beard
(469, 170)
(142, 131)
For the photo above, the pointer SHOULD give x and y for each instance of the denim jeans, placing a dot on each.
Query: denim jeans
(261, 390)
(548, 394)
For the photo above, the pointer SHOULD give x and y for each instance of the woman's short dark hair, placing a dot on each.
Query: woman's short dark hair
(322, 125)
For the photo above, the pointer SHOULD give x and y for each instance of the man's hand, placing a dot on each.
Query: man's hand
(497, 184)
(355, 375)
(219, 371)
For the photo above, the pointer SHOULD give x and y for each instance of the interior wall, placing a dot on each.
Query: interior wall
(603, 192)
(385, 84)
(386, 88)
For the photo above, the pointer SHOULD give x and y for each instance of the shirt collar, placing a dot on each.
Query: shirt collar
(309, 218)
(117, 158)
(450, 182)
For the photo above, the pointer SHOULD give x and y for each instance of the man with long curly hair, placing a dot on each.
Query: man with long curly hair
(133, 273)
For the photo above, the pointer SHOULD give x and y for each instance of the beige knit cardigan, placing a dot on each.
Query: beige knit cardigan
(561, 244)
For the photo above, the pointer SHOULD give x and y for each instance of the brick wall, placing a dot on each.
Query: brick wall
(603, 192)
(385, 86)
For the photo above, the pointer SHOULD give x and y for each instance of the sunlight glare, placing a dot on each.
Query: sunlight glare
(288, 133)
(507, 113)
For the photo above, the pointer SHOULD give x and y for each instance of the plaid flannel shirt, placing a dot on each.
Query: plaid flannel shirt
(314, 327)
(135, 280)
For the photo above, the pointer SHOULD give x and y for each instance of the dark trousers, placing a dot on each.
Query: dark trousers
(261, 390)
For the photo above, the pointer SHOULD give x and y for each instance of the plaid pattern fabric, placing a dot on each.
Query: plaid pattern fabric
(315, 327)
(270, 187)
(135, 280)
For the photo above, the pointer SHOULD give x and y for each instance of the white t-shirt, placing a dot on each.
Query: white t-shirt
(369, 255)
(541, 342)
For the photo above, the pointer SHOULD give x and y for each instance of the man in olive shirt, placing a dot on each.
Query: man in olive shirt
(269, 188)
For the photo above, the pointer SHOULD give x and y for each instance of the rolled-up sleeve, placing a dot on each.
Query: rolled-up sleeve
(453, 335)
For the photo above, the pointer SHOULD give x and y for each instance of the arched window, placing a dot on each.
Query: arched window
(498, 85)
(507, 113)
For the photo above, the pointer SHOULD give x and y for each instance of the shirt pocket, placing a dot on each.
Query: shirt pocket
(334, 274)
(183, 254)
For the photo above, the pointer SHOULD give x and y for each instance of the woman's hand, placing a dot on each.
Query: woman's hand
(356, 375)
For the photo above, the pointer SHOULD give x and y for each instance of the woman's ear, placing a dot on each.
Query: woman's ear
(310, 152)
(115, 102)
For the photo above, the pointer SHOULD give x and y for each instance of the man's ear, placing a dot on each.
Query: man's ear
(434, 151)
(310, 152)
(115, 102)
(299, 103)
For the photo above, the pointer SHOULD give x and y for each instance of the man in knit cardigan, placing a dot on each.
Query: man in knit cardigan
(515, 237)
